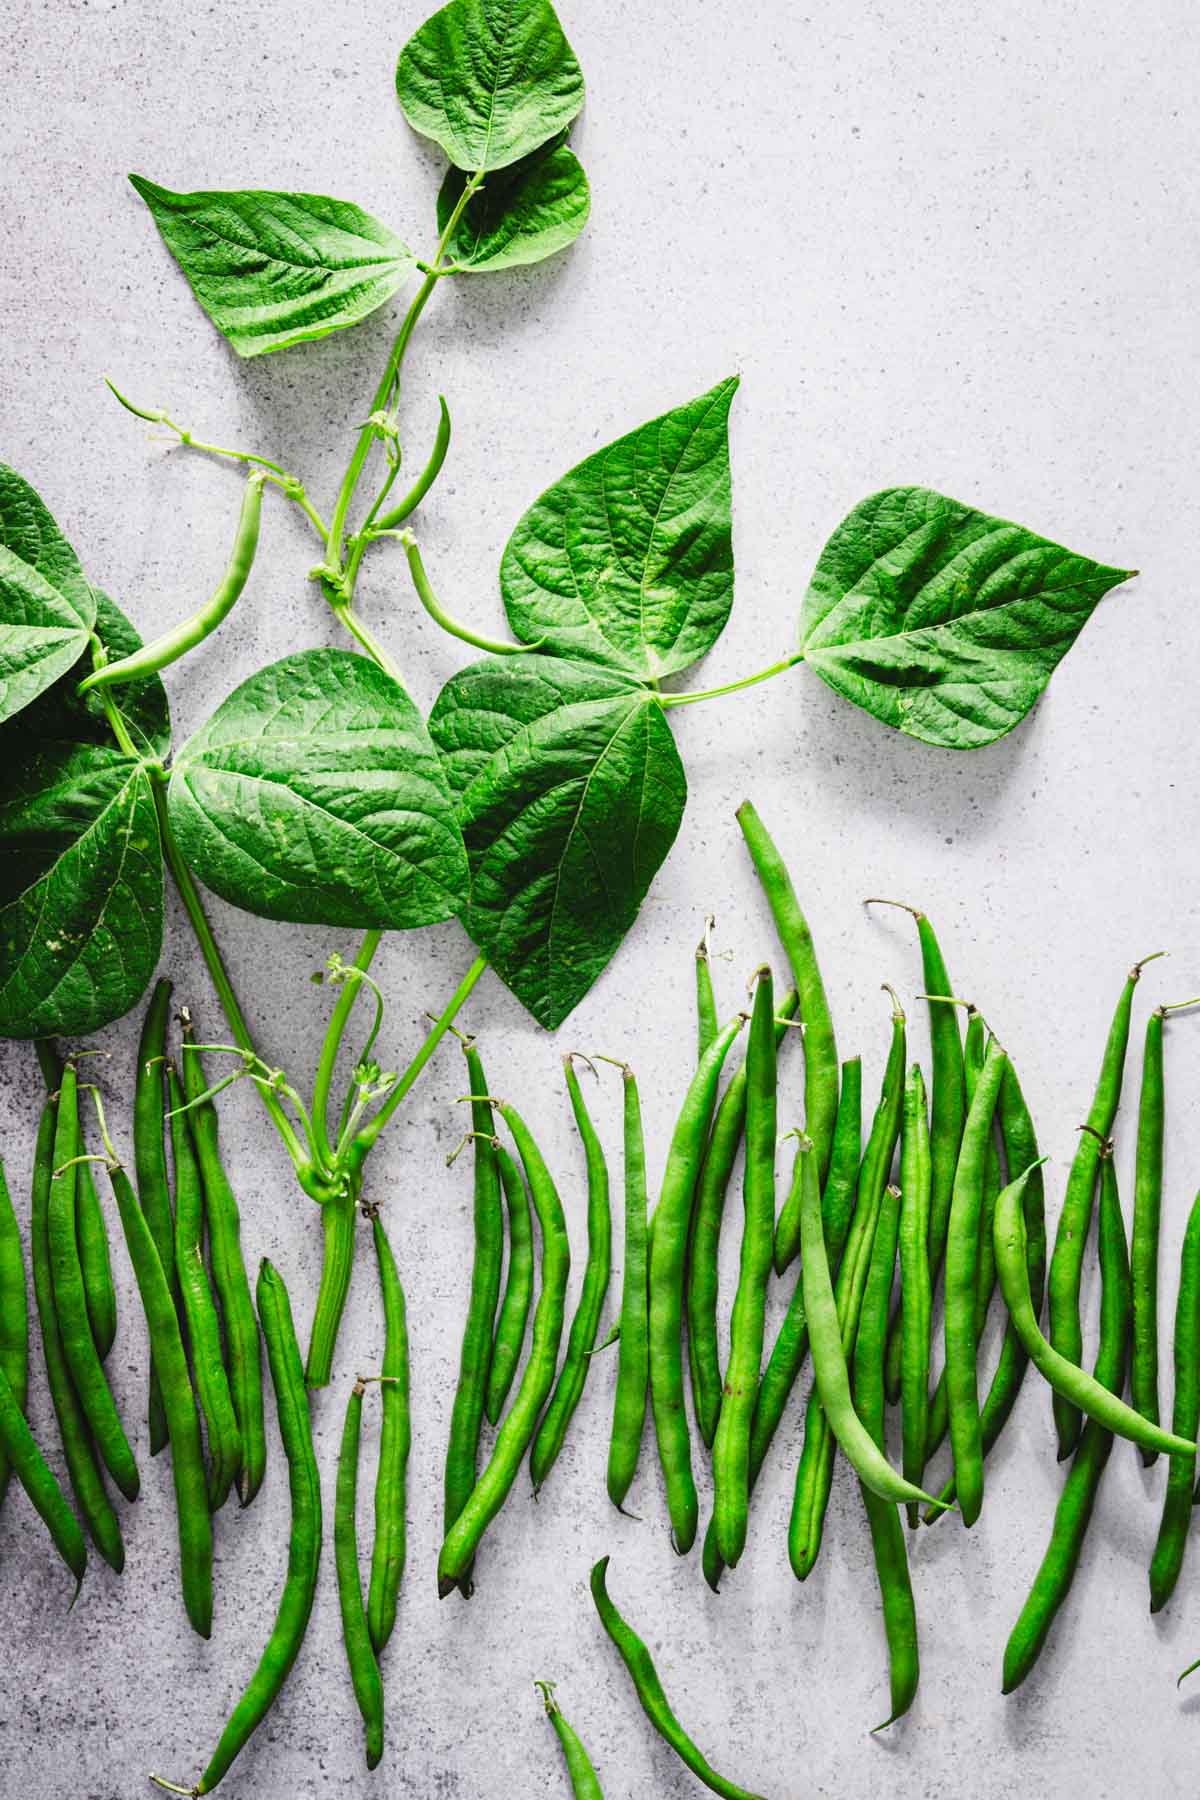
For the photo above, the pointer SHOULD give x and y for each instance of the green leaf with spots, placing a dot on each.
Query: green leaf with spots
(628, 560)
(941, 620)
(46, 605)
(521, 215)
(489, 80)
(570, 793)
(314, 794)
(272, 269)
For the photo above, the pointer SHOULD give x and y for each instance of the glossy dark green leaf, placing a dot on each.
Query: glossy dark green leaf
(314, 794)
(62, 713)
(277, 269)
(941, 620)
(521, 215)
(570, 792)
(46, 605)
(628, 560)
(489, 80)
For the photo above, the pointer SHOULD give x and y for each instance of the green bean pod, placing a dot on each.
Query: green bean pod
(842, 1174)
(633, 1354)
(183, 1425)
(244, 1357)
(518, 1290)
(962, 1279)
(585, 1784)
(657, 1708)
(1147, 1216)
(181, 638)
(731, 1446)
(466, 1417)
(512, 1440)
(86, 1481)
(304, 1546)
(820, 1045)
(390, 1549)
(1066, 1378)
(707, 1022)
(668, 1252)
(14, 1314)
(916, 1284)
(150, 1167)
(1074, 1221)
(360, 1653)
(581, 1339)
(95, 1263)
(199, 1307)
(1167, 1561)
(79, 1346)
(22, 1454)
(1073, 1513)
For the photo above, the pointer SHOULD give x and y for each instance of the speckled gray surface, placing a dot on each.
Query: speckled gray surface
(940, 243)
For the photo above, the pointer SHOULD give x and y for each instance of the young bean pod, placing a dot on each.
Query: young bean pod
(633, 1354)
(14, 1314)
(916, 1285)
(707, 1021)
(584, 1782)
(1147, 1215)
(518, 1288)
(1167, 1561)
(150, 1167)
(21, 1454)
(360, 1652)
(95, 1262)
(390, 1549)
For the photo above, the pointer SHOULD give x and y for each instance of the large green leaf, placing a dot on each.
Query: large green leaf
(46, 605)
(63, 713)
(81, 886)
(277, 269)
(489, 80)
(314, 794)
(628, 560)
(570, 793)
(941, 620)
(520, 215)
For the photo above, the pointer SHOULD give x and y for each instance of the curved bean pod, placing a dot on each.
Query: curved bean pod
(21, 1454)
(360, 1653)
(633, 1354)
(518, 1289)
(150, 1167)
(1167, 1561)
(14, 1314)
(390, 1549)
(584, 1782)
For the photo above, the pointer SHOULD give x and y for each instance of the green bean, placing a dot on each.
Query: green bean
(390, 1548)
(22, 1454)
(14, 1314)
(360, 1654)
(915, 1280)
(883, 1516)
(79, 1347)
(962, 1279)
(1167, 1560)
(707, 1022)
(86, 1480)
(183, 1425)
(633, 1356)
(731, 1446)
(181, 638)
(707, 1217)
(1074, 1221)
(95, 1265)
(582, 1337)
(668, 1249)
(150, 1167)
(1066, 1378)
(820, 1046)
(304, 1547)
(512, 1440)
(1147, 1215)
(518, 1289)
(199, 1307)
(1074, 1510)
(229, 1274)
(657, 1708)
(466, 1418)
(842, 1173)
(585, 1784)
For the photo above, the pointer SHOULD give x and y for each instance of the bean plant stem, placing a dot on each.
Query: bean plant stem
(371, 1130)
(334, 1033)
(734, 687)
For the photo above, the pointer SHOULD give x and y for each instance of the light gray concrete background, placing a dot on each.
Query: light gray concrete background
(941, 243)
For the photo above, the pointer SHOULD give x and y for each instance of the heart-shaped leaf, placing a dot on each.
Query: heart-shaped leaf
(570, 793)
(277, 269)
(489, 80)
(521, 215)
(64, 714)
(314, 794)
(941, 620)
(628, 560)
(46, 605)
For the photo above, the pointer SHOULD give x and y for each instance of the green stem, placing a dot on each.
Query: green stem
(338, 1218)
(334, 1033)
(734, 687)
(438, 613)
(425, 479)
(371, 1130)
(346, 616)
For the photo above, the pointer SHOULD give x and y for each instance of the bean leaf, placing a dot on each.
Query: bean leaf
(314, 794)
(521, 215)
(570, 792)
(277, 269)
(628, 560)
(489, 80)
(941, 620)
(62, 713)
(46, 606)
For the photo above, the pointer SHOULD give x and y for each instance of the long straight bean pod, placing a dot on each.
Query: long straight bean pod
(21, 1453)
(150, 1166)
(390, 1548)
(916, 1285)
(1167, 1561)
(95, 1261)
(1147, 1217)
(632, 1393)
(841, 1177)
(707, 1021)
(518, 1289)
(14, 1313)
(585, 1784)
(360, 1652)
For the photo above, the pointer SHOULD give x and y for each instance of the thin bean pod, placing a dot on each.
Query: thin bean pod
(584, 1326)
(585, 1784)
(14, 1314)
(1167, 1561)
(1147, 1215)
(633, 1356)
(518, 1289)
(360, 1653)
(150, 1167)
(95, 1263)
(842, 1173)
(657, 1708)
(390, 1549)
(21, 1454)
(915, 1280)
(707, 1022)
